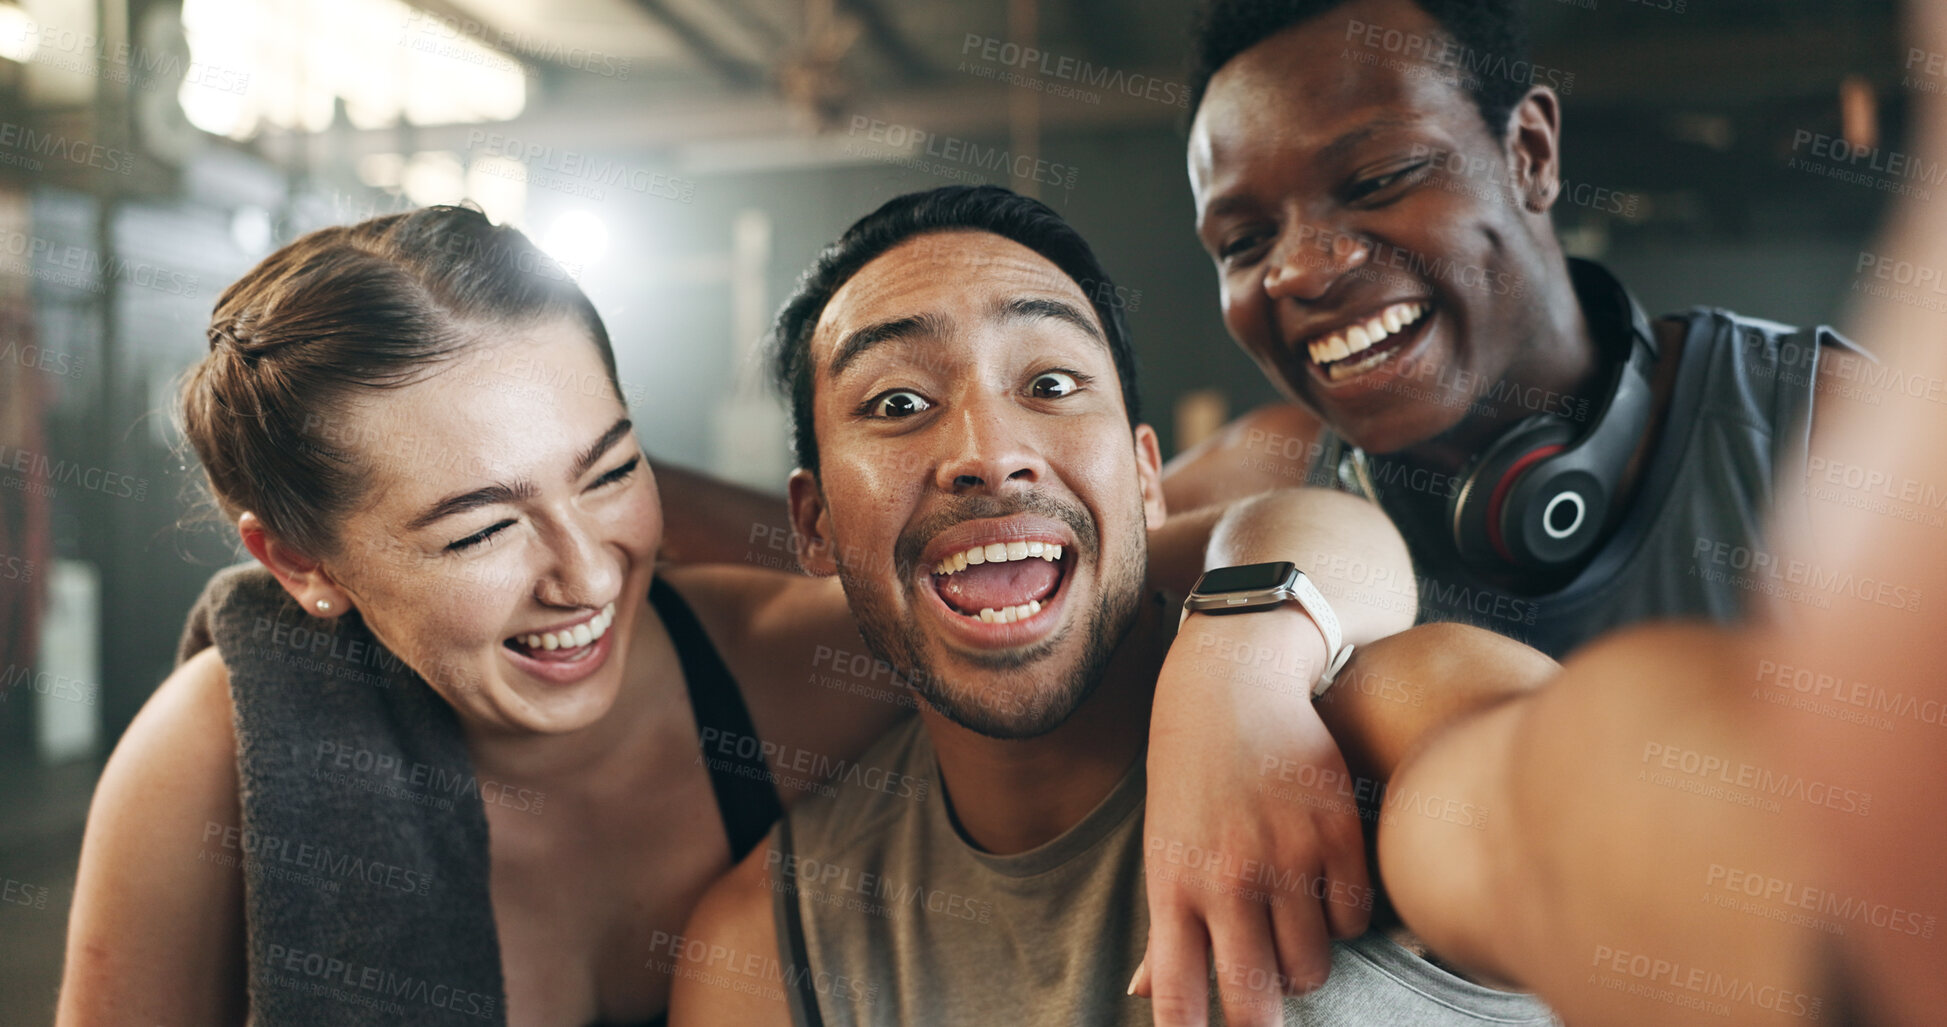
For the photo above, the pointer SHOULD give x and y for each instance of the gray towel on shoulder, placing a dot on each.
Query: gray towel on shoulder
(364, 837)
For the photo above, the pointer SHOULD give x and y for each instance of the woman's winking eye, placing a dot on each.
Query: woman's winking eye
(478, 537)
(618, 474)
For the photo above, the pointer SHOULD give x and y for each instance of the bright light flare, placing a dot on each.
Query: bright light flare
(576, 239)
(19, 34)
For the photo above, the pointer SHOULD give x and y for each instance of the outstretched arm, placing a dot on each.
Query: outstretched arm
(1601, 834)
(1638, 863)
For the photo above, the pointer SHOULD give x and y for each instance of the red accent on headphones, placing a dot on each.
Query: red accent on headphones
(1501, 490)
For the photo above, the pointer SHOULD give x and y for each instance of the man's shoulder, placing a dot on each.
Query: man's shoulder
(1759, 341)
(1729, 339)
(1767, 370)
(726, 961)
(738, 905)
(729, 964)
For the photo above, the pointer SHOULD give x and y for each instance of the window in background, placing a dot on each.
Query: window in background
(386, 60)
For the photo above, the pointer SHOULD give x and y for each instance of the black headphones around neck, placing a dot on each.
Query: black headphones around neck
(1540, 497)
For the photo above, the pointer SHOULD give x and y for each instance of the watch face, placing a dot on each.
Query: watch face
(1251, 577)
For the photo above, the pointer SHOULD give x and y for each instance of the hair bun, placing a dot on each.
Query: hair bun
(233, 333)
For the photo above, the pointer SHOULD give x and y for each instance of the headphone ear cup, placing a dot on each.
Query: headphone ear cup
(1478, 510)
(1554, 513)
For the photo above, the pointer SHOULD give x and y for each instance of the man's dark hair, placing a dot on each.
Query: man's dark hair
(953, 208)
(1492, 30)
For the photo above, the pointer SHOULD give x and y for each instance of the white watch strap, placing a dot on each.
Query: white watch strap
(1322, 615)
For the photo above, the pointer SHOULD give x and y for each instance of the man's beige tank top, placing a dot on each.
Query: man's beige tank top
(886, 916)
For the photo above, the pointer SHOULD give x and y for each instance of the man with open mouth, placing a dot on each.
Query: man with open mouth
(1374, 181)
(972, 471)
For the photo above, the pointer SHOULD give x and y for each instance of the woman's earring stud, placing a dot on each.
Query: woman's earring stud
(324, 606)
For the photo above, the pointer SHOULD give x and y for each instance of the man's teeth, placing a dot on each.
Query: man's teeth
(1010, 614)
(575, 637)
(998, 552)
(1344, 343)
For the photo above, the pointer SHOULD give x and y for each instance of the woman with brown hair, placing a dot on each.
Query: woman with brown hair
(414, 423)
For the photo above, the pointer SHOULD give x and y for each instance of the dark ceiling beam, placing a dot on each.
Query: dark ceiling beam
(705, 48)
(623, 121)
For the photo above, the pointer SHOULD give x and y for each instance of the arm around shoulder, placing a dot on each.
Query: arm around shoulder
(728, 965)
(156, 933)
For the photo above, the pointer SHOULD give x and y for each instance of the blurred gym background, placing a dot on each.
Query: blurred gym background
(685, 159)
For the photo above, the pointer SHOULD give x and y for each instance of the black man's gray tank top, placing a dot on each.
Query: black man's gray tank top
(1693, 542)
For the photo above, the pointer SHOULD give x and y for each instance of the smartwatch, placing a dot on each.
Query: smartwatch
(1266, 586)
